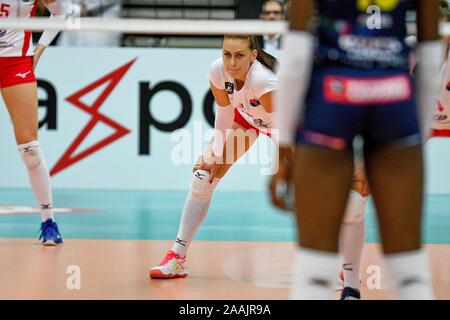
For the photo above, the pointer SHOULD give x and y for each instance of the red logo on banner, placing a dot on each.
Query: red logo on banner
(69, 158)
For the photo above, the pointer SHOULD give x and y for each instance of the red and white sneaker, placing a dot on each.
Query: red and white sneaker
(173, 266)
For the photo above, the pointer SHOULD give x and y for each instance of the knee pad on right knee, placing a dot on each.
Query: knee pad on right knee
(200, 185)
(31, 154)
(356, 208)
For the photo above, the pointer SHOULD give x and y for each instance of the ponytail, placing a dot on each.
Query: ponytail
(266, 59)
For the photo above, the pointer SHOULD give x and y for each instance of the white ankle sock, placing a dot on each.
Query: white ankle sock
(314, 274)
(351, 245)
(409, 275)
(39, 177)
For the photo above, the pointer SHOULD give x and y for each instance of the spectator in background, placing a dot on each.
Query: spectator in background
(97, 9)
(272, 10)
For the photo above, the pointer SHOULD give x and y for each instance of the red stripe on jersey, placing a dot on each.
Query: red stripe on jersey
(440, 133)
(27, 38)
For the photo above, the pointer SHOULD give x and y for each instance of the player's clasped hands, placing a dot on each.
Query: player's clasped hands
(208, 162)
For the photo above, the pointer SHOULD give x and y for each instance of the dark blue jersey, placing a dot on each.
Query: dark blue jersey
(362, 33)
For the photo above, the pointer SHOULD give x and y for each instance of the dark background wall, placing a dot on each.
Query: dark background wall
(249, 9)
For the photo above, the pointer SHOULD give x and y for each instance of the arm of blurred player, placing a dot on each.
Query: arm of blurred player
(294, 73)
(57, 10)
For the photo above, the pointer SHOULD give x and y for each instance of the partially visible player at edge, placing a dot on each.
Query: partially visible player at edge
(18, 59)
(322, 79)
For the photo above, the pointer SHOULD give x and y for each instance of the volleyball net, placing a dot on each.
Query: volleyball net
(147, 26)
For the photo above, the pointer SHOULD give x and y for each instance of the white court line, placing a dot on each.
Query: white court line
(17, 209)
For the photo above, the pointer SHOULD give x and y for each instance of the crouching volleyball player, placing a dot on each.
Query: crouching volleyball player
(18, 86)
(243, 84)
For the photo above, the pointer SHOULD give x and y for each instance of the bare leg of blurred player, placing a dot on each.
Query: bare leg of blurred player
(390, 170)
(329, 175)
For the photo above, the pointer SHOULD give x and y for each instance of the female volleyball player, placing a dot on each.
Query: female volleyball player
(18, 86)
(243, 83)
(359, 84)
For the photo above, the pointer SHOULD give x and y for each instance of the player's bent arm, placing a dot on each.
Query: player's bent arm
(295, 71)
(224, 119)
(266, 101)
(220, 96)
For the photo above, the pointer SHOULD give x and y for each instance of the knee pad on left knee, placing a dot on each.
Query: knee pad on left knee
(200, 186)
(31, 154)
(356, 208)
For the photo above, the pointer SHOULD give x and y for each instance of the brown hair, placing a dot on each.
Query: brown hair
(266, 59)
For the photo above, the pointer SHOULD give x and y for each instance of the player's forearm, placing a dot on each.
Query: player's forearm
(57, 10)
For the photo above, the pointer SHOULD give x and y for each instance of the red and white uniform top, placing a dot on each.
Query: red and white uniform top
(14, 42)
(260, 80)
(442, 112)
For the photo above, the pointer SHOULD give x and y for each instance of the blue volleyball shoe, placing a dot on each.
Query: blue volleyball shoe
(50, 235)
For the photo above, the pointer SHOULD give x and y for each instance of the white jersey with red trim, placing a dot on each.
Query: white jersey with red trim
(14, 42)
(259, 81)
(442, 113)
